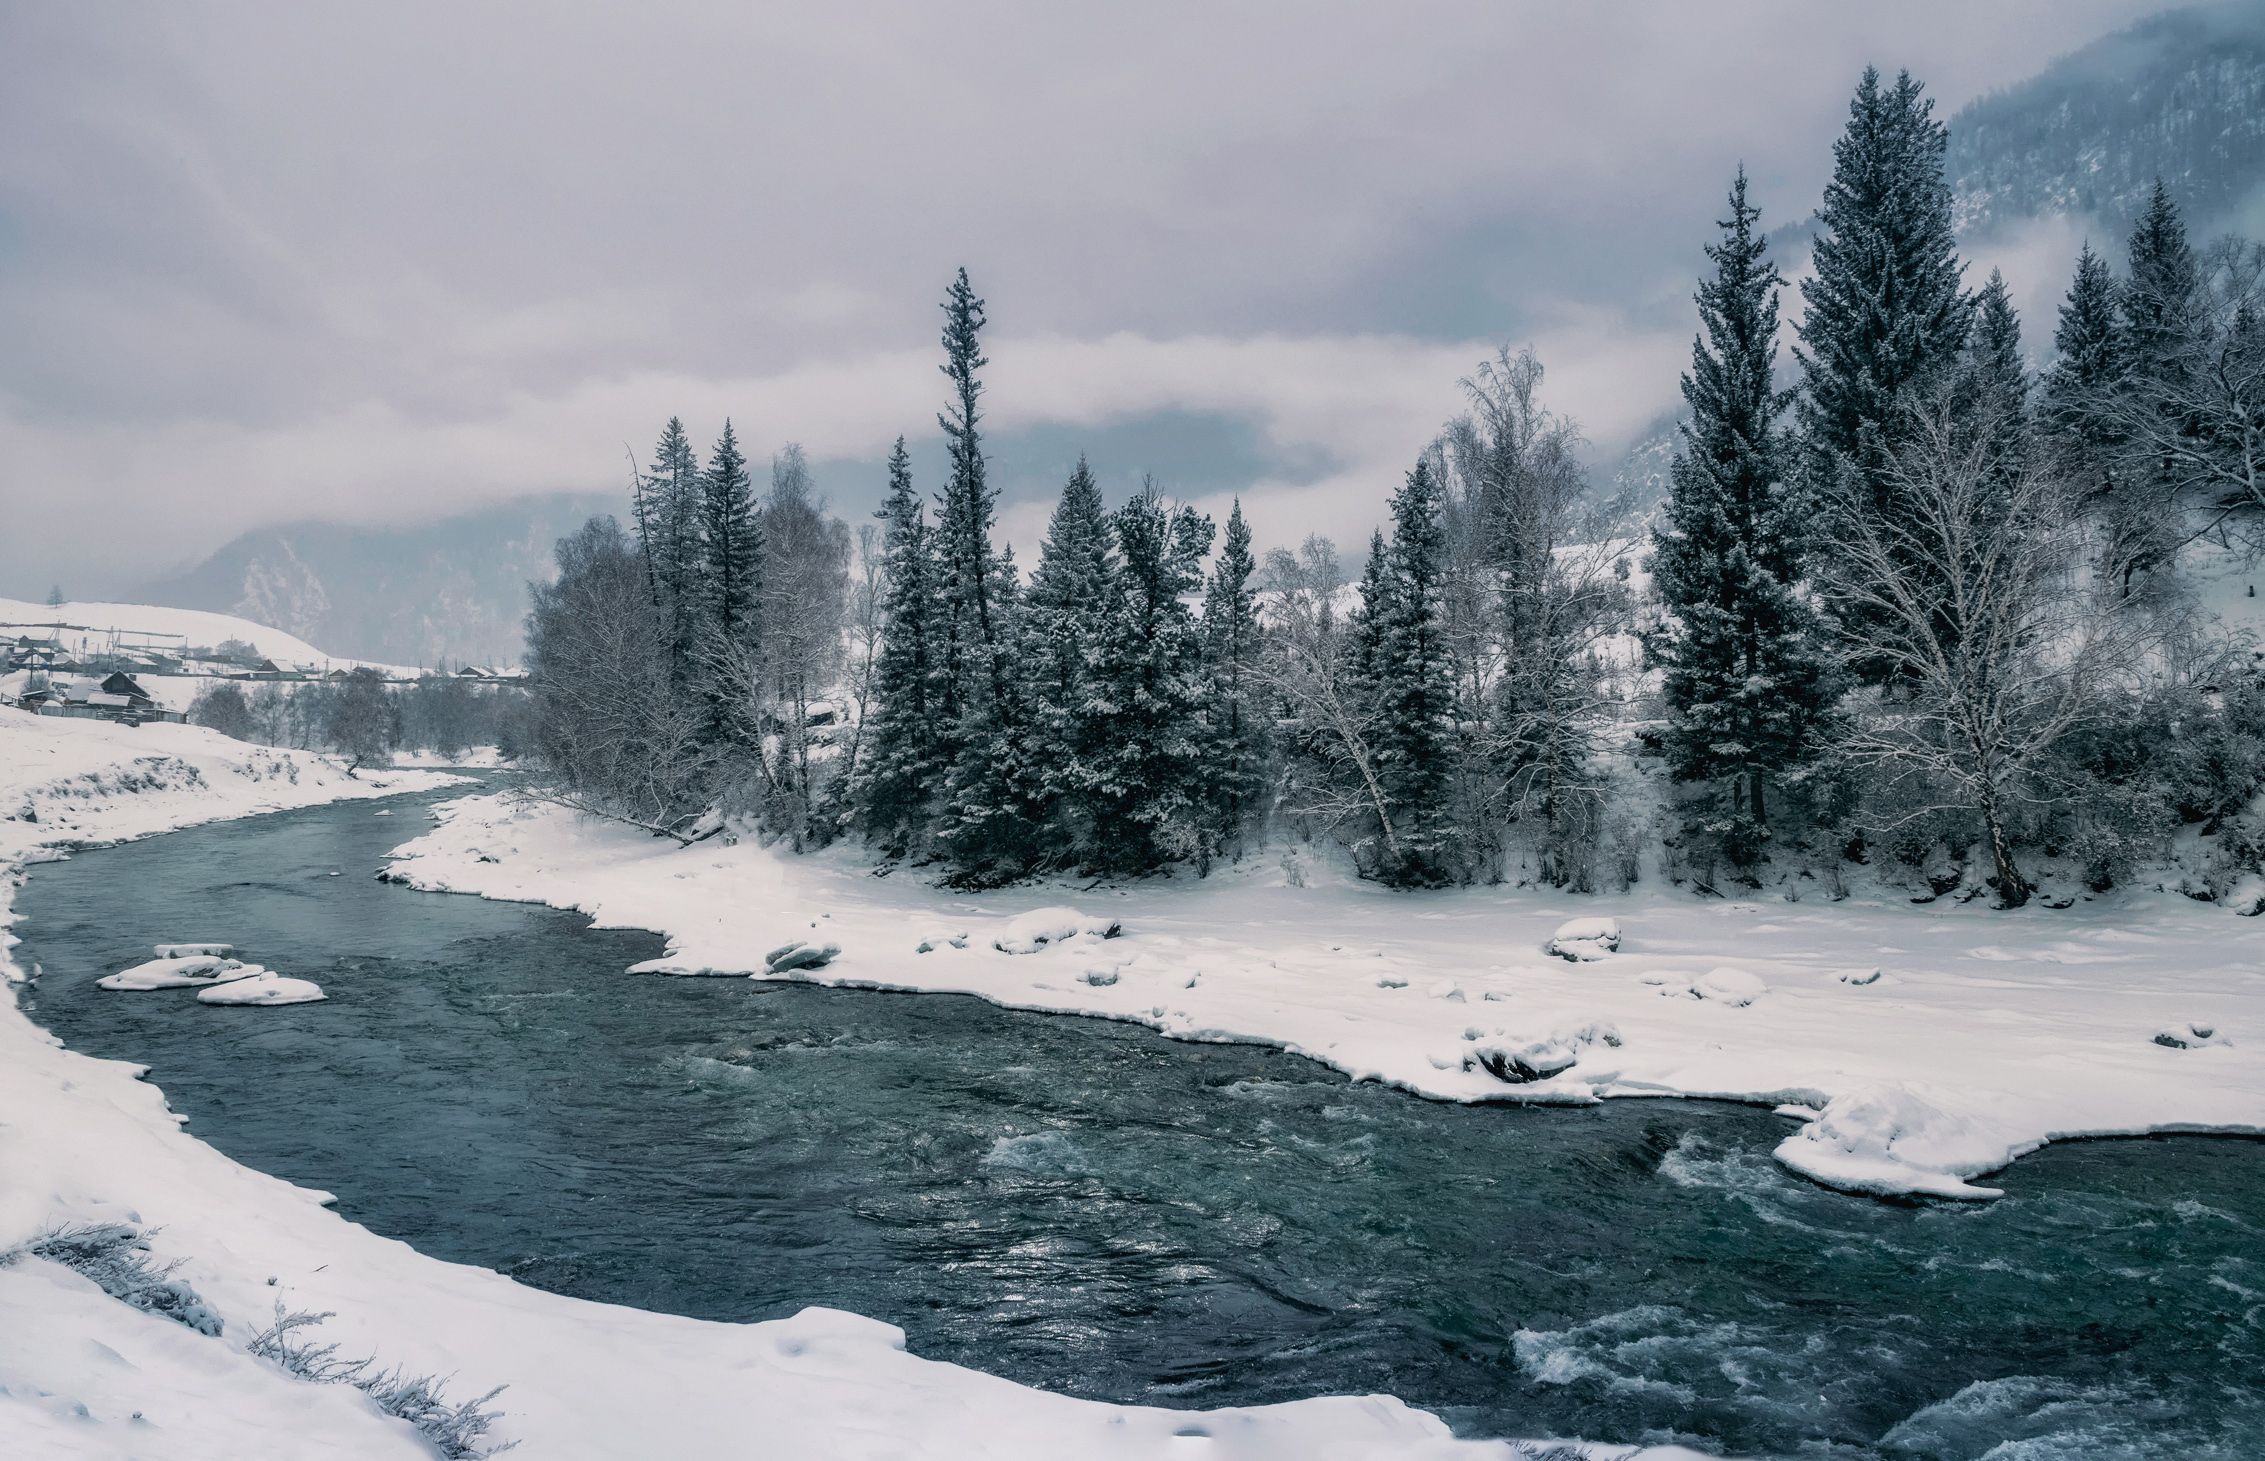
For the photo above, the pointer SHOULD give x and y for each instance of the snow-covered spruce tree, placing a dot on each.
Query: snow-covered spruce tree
(1144, 770)
(1885, 319)
(729, 593)
(667, 513)
(1067, 611)
(1993, 379)
(1748, 678)
(2089, 360)
(2159, 290)
(1235, 718)
(1411, 682)
(904, 765)
(990, 802)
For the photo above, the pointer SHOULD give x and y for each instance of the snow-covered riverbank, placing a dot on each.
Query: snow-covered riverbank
(83, 1141)
(1918, 1048)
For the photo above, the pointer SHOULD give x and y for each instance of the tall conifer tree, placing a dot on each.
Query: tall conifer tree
(1143, 773)
(1234, 711)
(1748, 678)
(902, 775)
(1886, 321)
(1067, 612)
(991, 802)
(730, 587)
(1413, 684)
(668, 513)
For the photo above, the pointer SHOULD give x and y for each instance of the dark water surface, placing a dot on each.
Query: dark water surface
(1091, 1208)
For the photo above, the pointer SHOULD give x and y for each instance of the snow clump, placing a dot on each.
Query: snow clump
(2192, 1035)
(1522, 1062)
(1042, 926)
(800, 954)
(1733, 987)
(1584, 940)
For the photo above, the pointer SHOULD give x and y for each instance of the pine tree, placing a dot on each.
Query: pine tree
(1886, 322)
(990, 802)
(1141, 780)
(729, 587)
(2089, 347)
(1412, 683)
(2158, 295)
(901, 779)
(1236, 739)
(1747, 677)
(2143, 511)
(668, 514)
(1067, 613)
(1994, 378)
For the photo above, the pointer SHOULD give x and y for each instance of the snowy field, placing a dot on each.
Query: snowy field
(81, 1141)
(1913, 1049)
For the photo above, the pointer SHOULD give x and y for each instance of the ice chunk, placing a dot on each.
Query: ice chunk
(1583, 940)
(1734, 987)
(183, 951)
(1042, 926)
(192, 971)
(800, 955)
(263, 989)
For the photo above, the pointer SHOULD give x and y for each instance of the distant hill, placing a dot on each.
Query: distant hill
(2180, 95)
(455, 589)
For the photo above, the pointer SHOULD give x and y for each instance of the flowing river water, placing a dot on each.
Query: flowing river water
(1091, 1208)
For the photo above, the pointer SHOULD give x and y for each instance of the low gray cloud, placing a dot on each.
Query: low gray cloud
(265, 261)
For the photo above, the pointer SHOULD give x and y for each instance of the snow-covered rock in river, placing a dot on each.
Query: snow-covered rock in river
(1583, 940)
(1522, 1062)
(800, 955)
(183, 951)
(185, 972)
(1860, 976)
(263, 989)
(2191, 1036)
(942, 938)
(1734, 987)
(1888, 1140)
(1042, 926)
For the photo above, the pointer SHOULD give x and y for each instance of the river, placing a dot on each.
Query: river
(1092, 1208)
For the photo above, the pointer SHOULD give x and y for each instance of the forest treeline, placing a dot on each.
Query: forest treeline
(1906, 598)
(366, 719)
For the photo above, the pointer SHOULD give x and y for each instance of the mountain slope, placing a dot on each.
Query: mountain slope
(2180, 95)
(455, 589)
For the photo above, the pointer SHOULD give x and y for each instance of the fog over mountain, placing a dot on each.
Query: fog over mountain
(1143, 310)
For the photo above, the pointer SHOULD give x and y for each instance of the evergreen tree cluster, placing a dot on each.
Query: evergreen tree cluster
(1871, 583)
(1882, 601)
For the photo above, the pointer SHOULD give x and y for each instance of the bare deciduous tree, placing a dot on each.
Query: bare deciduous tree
(1976, 598)
(613, 737)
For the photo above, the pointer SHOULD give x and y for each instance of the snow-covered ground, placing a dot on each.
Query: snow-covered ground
(85, 1376)
(1915, 1049)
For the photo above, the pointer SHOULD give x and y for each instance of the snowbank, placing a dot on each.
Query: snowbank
(1996, 1032)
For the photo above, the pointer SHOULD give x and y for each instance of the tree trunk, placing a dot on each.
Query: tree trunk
(2013, 888)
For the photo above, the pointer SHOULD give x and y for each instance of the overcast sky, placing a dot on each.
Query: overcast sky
(264, 262)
